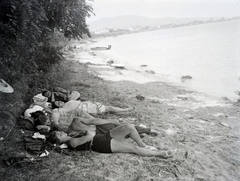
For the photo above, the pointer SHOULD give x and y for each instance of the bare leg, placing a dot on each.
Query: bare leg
(117, 109)
(120, 132)
(121, 147)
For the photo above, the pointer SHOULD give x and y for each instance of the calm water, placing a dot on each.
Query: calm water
(209, 53)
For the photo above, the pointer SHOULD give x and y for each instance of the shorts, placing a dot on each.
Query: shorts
(93, 108)
(102, 143)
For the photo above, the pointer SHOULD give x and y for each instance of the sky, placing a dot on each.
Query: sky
(165, 8)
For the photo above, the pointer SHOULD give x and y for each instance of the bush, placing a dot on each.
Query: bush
(26, 29)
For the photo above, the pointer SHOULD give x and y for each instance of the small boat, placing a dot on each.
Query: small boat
(114, 64)
(102, 48)
(117, 65)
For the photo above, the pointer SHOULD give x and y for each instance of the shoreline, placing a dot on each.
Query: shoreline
(206, 128)
(219, 78)
(97, 63)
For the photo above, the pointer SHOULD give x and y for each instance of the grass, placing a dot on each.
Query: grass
(12, 106)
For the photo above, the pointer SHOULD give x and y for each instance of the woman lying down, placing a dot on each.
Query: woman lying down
(106, 138)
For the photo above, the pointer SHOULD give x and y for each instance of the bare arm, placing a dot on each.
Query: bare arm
(52, 97)
(74, 142)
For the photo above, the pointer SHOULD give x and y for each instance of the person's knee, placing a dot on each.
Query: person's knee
(130, 126)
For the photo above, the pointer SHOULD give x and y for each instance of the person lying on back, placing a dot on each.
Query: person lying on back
(106, 141)
(105, 136)
(91, 107)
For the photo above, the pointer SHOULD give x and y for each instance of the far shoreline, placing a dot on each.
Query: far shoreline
(97, 63)
(216, 84)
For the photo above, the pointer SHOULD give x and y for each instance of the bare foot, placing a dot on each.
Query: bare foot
(152, 148)
(167, 154)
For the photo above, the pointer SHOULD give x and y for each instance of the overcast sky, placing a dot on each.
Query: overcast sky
(166, 8)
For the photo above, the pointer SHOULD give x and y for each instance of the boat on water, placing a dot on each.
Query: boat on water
(118, 65)
(114, 64)
(102, 48)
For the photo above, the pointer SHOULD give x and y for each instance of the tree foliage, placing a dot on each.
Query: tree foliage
(68, 16)
(26, 28)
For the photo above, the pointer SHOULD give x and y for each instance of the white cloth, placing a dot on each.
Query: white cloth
(33, 109)
(39, 98)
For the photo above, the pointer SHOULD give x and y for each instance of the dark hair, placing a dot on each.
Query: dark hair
(44, 92)
(52, 138)
(41, 120)
(36, 114)
(54, 106)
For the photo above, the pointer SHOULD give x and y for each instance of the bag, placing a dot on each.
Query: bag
(34, 145)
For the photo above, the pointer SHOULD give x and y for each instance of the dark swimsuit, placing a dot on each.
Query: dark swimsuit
(102, 140)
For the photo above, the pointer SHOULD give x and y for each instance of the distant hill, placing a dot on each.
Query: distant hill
(135, 21)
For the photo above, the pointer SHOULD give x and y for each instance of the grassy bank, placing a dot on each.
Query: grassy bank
(12, 107)
(68, 74)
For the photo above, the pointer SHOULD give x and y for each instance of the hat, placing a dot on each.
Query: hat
(5, 87)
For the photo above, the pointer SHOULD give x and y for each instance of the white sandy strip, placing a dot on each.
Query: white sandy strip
(98, 64)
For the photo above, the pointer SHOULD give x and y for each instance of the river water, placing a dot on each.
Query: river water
(208, 53)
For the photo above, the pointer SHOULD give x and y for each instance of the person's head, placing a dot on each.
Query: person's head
(57, 137)
(36, 114)
(42, 120)
(46, 93)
